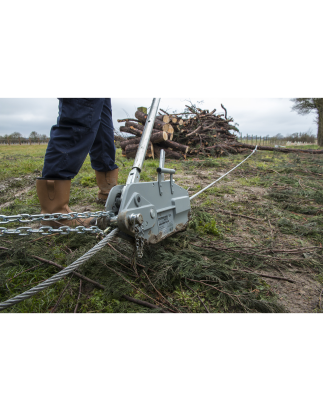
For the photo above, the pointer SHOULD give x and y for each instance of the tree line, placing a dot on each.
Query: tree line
(18, 138)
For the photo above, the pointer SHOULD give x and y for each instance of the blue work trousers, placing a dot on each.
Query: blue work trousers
(84, 126)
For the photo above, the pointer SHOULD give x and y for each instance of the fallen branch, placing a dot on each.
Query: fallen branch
(234, 214)
(265, 275)
(44, 236)
(144, 303)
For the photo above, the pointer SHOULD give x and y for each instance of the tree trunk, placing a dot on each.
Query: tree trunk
(320, 128)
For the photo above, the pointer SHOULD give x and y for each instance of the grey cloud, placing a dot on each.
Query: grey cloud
(254, 116)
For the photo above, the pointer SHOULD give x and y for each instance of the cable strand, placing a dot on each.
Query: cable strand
(58, 276)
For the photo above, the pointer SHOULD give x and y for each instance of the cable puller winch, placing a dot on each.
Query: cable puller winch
(148, 211)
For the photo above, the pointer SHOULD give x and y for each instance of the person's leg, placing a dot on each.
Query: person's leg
(102, 154)
(103, 150)
(72, 137)
(70, 141)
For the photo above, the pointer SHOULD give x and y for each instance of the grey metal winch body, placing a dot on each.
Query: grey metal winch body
(159, 208)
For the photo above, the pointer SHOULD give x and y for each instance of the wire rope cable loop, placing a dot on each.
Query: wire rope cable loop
(210, 185)
(58, 276)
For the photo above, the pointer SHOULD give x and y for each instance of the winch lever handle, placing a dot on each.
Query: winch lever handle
(134, 174)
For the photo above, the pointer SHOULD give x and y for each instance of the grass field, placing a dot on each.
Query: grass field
(264, 220)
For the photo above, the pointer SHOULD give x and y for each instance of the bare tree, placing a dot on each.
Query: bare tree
(15, 135)
(305, 106)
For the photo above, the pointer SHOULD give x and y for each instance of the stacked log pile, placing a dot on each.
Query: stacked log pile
(192, 133)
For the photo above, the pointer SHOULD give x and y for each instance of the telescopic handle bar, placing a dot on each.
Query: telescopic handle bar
(134, 174)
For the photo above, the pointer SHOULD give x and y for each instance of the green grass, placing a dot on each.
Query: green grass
(292, 204)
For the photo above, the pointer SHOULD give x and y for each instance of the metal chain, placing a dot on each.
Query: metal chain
(139, 238)
(29, 218)
(46, 230)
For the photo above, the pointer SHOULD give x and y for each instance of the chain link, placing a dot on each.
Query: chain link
(29, 218)
(139, 238)
(46, 230)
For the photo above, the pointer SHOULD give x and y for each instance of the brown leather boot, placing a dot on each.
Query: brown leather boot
(106, 180)
(54, 196)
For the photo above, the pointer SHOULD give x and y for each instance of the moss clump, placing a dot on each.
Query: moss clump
(204, 223)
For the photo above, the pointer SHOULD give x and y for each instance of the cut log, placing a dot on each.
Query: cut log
(164, 118)
(170, 129)
(137, 126)
(158, 125)
(168, 153)
(157, 137)
(175, 146)
(129, 130)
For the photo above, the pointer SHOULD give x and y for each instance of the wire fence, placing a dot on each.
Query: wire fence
(272, 141)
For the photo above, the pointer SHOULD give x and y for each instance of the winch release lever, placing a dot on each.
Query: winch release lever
(161, 171)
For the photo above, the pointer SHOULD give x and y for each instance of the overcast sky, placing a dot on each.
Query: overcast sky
(258, 116)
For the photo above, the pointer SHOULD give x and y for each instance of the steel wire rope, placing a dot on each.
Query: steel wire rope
(58, 276)
(210, 185)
